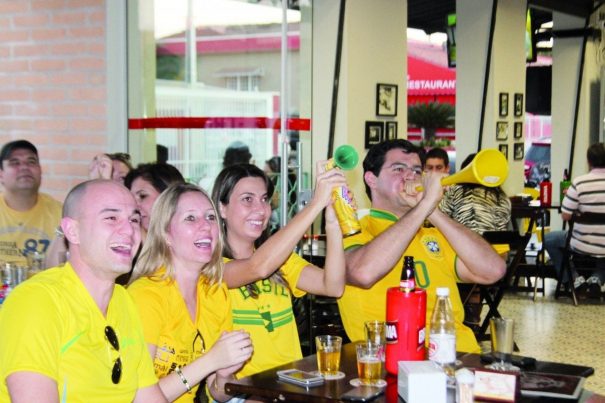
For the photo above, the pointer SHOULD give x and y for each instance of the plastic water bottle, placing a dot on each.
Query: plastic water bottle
(6, 283)
(442, 338)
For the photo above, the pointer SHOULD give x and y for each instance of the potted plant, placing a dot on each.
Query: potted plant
(430, 117)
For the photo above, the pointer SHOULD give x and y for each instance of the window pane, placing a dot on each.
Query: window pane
(222, 58)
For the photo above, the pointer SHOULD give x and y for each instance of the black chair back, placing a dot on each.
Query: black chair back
(492, 294)
(574, 261)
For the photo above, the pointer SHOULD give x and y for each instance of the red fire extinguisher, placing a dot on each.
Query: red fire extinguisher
(545, 192)
(406, 326)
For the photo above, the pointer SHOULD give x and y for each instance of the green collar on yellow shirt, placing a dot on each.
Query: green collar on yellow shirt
(383, 214)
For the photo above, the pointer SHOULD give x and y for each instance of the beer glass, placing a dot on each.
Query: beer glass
(369, 363)
(328, 355)
(376, 333)
(20, 274)
(501, 334)
(35, 261)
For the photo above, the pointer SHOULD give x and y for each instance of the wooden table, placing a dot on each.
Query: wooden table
(266, 385)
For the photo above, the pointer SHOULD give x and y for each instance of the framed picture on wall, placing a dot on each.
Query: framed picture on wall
(518, 151)
(374, 133)
(518, 105)
(501, 130)
(503, 148)
(391, 131)
(386, 99)
(503, 105)
(518, 130)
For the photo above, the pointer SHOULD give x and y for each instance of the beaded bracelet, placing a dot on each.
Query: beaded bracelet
(183, 379)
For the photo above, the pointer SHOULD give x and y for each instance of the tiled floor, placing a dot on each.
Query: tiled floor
(556, 330)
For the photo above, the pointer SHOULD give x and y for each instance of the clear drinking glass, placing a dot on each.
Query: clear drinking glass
(501, 333)
(376, 333)
(328, 354)
(369, 363)
(35, 261)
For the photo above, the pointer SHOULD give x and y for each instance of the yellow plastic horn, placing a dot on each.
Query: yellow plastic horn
(346, 157)
(488, 168)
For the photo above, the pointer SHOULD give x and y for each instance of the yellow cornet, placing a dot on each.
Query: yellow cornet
(488, 168)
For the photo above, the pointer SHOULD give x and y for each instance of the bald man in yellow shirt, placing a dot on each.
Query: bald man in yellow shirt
(70, 333)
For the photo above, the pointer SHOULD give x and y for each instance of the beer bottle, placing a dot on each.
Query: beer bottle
(408, 280)
(563, 186)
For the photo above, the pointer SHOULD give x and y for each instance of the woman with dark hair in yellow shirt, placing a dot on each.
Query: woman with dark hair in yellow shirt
(263, 272)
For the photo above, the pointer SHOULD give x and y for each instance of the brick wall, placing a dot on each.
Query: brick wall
(53, 84)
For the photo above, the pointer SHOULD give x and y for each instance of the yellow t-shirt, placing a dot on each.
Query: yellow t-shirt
(167, 324)
(269, 319)
(434, 261)
(51, 325)
(32, 230)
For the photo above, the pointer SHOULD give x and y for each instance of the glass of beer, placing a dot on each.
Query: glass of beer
(328, 354)
(376, 333)
(369, 363)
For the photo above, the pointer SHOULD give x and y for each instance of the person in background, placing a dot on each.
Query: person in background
(28, 218)
(146, 182)
(161, 154)
(444, 255)
(586, 194)
(272, 169)
(121, 165)
(110, 166)
(71, 333)
(479, 208)
(437, 160)
(184, 305)
(262, 272)
(236, 153)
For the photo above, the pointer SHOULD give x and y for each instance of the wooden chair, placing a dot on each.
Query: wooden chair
(492, 294)
(575, 261)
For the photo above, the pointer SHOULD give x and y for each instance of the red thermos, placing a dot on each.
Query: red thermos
(546, 192)
(406, 324)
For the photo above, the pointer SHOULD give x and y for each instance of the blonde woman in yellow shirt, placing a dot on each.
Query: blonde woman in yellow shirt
(183, 302)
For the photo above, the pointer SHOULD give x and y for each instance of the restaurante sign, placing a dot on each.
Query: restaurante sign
(431, 84)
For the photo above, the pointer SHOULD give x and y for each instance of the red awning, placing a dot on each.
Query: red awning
(425, 78)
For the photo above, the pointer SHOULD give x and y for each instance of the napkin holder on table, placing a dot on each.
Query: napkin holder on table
(421, 381)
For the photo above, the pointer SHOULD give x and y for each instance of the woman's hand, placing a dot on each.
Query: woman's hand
(326, 181)
(100, 167)
(234, 349)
